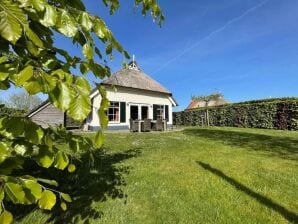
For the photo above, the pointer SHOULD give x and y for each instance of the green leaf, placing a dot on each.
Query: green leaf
(87, 51)
(3, 59)
(14, 125)
(33, 132)
(48, 141)
(14, 192)
(50, 82)
(33, 86)
(99, 139)
(80, 107)
(32, 48)
(5, 71)
(103, 118)
(24, 75)
(97, 69)
(6, 217)
(62, 96)
(66, 24)
(45, 158)
(104, 104)
(32, 191)
(4, 85)
(63, 206)
(109, 49)
(50, 16)
(47, 200)
(4, 151)
(84, 67)
(85, 21)
(98, 53)
(39, 5)
(33, 37)
(83, 85)
(71, 168)
(50, 182)
(100, 28)
(66, 197)
(11, 16)
(1, 195)
(61, 160)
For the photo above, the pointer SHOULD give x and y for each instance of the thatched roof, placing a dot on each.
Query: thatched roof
(134, 77)
(200, 103)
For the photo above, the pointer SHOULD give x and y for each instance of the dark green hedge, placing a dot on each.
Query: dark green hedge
(5, 111)
(272, 114)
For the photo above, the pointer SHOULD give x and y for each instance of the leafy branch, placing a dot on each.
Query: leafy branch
(30, 60)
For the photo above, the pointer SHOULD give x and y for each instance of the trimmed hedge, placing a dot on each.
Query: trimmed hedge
(5, 111)
(271, 114)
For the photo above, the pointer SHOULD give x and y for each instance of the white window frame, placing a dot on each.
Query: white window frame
(160, 108)
(115, 121)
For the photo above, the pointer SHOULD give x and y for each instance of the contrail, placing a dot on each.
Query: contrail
(236, 19)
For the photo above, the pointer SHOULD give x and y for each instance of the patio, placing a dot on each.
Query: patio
(147, 125)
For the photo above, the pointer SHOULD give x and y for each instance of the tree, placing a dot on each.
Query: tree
(23, 101)
(207, 99)
(29, 59)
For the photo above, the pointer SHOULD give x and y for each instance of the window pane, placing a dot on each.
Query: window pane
(113, 111)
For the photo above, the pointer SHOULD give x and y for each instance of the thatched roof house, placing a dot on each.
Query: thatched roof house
(137, 96)
(200, 103)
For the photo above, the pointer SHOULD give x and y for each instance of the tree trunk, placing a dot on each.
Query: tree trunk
(207, 117)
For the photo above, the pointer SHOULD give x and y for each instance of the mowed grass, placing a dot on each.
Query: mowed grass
(198, 175)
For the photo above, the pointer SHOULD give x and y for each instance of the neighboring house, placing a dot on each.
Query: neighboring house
(46, 115)
(137, 96)
(200, 103)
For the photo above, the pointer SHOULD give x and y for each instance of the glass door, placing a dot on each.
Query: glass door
(144, 112)
(134, 112)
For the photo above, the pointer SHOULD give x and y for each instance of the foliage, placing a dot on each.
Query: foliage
(207, 99)
(30, 60)
(6, 111)
(272, 114)
(23, 101)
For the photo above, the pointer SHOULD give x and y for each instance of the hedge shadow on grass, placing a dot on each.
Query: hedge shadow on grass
(284, 147)
(289, 215)
(96, 179)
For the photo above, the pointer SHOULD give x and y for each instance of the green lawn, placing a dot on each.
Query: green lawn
(216, 175)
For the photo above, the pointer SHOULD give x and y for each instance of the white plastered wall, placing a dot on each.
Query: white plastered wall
(131, 96)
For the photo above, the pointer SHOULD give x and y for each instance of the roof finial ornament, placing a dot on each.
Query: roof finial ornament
(133, 65)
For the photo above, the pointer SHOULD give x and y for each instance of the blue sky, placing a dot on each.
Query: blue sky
(246, 49)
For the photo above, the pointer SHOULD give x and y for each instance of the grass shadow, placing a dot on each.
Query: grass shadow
(289, 215)
(97, 178)
(284, 147)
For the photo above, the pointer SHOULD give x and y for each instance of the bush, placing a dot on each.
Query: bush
(279, 113)
(5, 111)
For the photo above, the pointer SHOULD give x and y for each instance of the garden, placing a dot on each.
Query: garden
(194, 175)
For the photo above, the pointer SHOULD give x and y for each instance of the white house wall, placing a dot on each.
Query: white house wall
(130, 96)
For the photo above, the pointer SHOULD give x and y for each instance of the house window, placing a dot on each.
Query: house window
(160, 112)
(114, 112)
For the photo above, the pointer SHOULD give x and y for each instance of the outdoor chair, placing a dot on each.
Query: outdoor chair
(146, 125)
(159, 126)
(134, 126)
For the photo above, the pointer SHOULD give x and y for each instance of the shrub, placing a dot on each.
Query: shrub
(281, 113)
